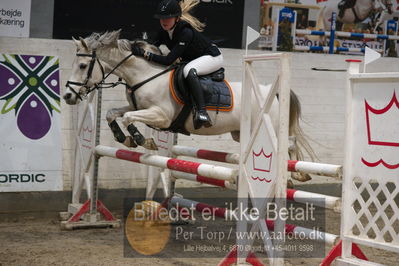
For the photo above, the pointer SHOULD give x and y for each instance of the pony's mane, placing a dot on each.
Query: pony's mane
(111, 40)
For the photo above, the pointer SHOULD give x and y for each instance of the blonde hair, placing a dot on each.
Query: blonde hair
(186, 6)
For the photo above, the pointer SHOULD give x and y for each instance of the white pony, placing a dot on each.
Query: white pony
(156, 107)
(359, 12)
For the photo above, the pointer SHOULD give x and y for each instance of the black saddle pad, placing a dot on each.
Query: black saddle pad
(217, 91)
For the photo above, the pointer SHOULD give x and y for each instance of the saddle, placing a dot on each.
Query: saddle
(217, 91)
(218, 95)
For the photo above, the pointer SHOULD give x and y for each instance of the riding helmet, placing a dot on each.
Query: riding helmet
(168, 9)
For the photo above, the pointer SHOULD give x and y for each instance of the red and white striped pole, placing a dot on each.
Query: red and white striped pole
(204, 179)
(213, 171)
(226, 213)
(233, 158)
(322, 169)
(200, 207)
(325, 201)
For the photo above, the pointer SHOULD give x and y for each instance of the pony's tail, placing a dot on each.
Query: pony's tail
(296, 130)
(186, 6)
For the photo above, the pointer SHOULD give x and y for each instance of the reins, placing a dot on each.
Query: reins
(138, 85)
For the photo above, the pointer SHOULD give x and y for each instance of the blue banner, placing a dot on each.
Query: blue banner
(287, 13)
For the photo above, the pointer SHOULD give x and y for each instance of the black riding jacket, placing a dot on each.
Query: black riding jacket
(186, 43)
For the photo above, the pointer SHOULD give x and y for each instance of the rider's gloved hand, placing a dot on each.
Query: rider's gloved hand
(141, 52)
(137, 50)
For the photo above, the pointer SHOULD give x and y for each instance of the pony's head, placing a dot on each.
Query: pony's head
(94, 53)
(87, 71)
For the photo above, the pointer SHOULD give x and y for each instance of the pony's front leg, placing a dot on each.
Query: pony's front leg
(116, 130)
(154, 116)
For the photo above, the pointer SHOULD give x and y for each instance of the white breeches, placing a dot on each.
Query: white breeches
(204, 65)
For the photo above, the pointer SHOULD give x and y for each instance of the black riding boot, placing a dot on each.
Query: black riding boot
(201, 117)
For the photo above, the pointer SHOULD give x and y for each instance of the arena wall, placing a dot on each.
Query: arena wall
(320, 92)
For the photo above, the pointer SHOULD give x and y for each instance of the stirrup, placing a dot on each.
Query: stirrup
(201, 118)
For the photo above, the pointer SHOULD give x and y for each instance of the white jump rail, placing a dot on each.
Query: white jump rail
(233, 158)
(203, 179)
(321, 200)
(226, 213)
(330, 170)
(217, 172)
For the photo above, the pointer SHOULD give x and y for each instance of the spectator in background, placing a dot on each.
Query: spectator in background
(302, 22)
(391, 45)
(263, 30)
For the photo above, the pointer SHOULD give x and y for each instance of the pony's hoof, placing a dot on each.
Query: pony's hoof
(129, 142)
(149, 144)
(290, 184)
(301, 177)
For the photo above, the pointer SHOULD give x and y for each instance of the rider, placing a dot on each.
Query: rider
(181, 33)
(343, 5)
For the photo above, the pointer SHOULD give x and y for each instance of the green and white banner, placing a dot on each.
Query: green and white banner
(30, 132)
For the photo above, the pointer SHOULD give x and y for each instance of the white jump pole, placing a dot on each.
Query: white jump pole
(217, 172)
(326, 238)
(316, 199)
(233, 158)
(204, 179)
(221, 212)
(324, 201)
(322, 169)
(200, 207)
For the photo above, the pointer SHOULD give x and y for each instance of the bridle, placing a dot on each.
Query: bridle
(103, 84)
(89, 73)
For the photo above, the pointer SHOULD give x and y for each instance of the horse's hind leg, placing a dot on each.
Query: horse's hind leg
(154, 117)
